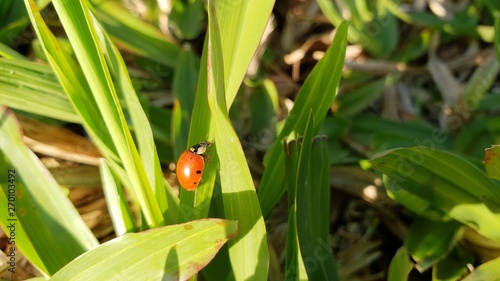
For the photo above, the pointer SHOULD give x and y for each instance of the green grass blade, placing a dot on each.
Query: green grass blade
(51, 232)
(317, 94)
(294, 266)
(7, 52)
(135, 35)
(142, 130)
(196, 204)
(118, 208)
(416, 204)
(73, 82)
(34, 88)
(301, 183)
(291, 258)
(313, 209)
(449, 183)
(94, 97)
(294, 263)
(309, 196)
(249, 254)
(22, 241)
(352, 103)
(241, 26)
(173, 252)
(194, 116)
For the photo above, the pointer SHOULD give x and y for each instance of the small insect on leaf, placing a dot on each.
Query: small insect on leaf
(191, 164)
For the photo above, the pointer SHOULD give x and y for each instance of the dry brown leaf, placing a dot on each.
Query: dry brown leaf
(58, 142)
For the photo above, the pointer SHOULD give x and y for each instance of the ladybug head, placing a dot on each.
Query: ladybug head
(200, 148)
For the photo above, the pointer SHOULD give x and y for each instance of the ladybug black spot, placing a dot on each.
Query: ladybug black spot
(198, 172)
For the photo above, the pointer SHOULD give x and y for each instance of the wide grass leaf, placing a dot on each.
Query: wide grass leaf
(241, 25)
(173, 252)
(450, 184)
(34, 88)
(248, 253)
(73, 82)
(49, 230)
(194, 205)
(93, 95)
(138, 119)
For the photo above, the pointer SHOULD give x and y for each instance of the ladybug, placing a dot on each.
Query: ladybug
(191, 164)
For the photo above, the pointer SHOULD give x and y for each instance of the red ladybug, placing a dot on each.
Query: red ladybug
(191, 164)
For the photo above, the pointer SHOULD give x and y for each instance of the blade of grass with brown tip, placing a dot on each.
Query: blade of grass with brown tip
(173, 252)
